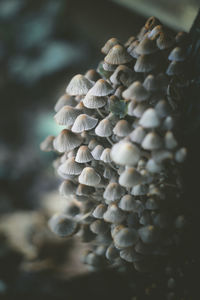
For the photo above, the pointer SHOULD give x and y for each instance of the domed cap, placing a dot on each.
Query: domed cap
(155, 31)
(153, 167)
(149, 234)
(139, 110)
(130, 177)
(122, 128)
(170, 141)
(113, 192)
(164, 41)
(177, 54)
(109, 44)
(105, 156)
(175, 68)
(136, 91)
(129, 41)
(97, 151)
(146, 46)
(152, 141)
(63, 225)
(47, 144)
(140, 190)
(79, 85)
(118, 55)
(125, 153)
(127, 203)
(162, 108)
(130, 255)
(180, 155)
(131, 49)
(112, 253)
(89, 177)
(114, 214)
(92, 144)
(83, 155)
(84, 190)
(99, 211)
(126, 237)
(104, 128)
(99, 227)
(64, 100)
(67, 188)
(146, 63)
(70, 167)
(150, 83)
(92, 75)
(83, 123)
(67, 141)
(66, 115)
(137, 135)
(122, 74)
(93, 102)
(150, 119)
(101, 88)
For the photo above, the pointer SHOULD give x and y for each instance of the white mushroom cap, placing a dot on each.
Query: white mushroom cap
(150, 119)
(99, 226)
(113, 192)
(114, 214)
(168, 123)
(146, 63)
(125, 153)
(130, 255)
(152, 141)
(126, 237)
(101, 89)
(136, 91)
(127, 203)
(177, 54)
(146, 46)
(104, 128)
(149, 234)
(64, 100)
(67, 188)
(92, 144)
(67, 141)
(66, 115)
(99, 211)
(140, 190)
(139, 110)
(137, 135)
(118, 55)
(170, 141)
(153, 167)
(122, 128)
(71, 167)
(112, 253)
(62, 225)
(105, 156)
(83, 123)
(97, 152)
(109, 44)
(93, 102)
(180, 155)
(79, 85)
(47, 144)
(83, 155)
(162, 108)
(89, 177)
(130, 177)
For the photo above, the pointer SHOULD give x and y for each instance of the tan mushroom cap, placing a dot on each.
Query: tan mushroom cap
(79, 85)
(104, 128)
(122, 128)
(113, 192)
(146, 63)
(67, 188)
(118, 55)
(114, 214)
(146, 46)
(126, 237)
(109, 44)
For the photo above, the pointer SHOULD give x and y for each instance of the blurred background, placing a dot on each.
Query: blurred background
(42, 45)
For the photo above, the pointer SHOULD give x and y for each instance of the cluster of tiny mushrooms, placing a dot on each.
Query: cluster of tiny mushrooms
(120, 155)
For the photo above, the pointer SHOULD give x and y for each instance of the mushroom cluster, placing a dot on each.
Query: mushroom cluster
(120, 154)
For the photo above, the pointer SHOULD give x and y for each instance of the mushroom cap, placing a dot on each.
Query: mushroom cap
(177, 54)
(175, 68)
(127, 203)
(79, 85)
(113, 192)
(112, 253)
(149, 234)
(64, 100)
(67, 188)
(109, 44)
(152, 141)
(99, 226)
(125, 153)
(104, 128)
(162, 108)
(66, 141)
(66, 115)
(146, 46)
(122, 128)
(180, 155)
(93, 102)
(140, 190)
(137, 135)
(47, 144)
(105, 156)
(146, 63)
(89, 177)
(130, 255)
(126, 237)
(97, 152)
(139, 110)
(170, 141)
(150, 119)
(83, 155)
(63, 225)
(114, 215)
(83, 123)
(130, 177)
(92, 75)
(153, 167)
(150, 83)
(136, 91)
(71, 167)
(101, 89)
(99, 211)
(118, 55)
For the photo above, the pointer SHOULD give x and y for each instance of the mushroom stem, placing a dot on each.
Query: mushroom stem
(109, 140)
(100, 113)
